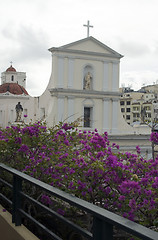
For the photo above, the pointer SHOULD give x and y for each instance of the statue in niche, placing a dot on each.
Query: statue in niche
(19, 110)
(87, 81)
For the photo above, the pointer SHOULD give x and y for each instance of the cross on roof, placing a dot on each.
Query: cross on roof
(88, 26)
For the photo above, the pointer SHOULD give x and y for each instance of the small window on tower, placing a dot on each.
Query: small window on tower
(12, 78)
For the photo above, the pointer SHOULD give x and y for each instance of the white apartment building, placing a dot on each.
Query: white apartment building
(137, 106)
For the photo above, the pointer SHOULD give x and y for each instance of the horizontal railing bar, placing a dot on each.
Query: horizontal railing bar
(6, 183)
(53, 235)
(107, 216)
(79, 229)
(5, 198)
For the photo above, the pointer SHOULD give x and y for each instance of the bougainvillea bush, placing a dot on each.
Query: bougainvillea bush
(84, 164)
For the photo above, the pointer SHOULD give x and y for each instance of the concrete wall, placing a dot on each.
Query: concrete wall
(8, 231)
(128, 143)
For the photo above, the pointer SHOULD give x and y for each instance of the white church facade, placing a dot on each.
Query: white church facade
(84, 84)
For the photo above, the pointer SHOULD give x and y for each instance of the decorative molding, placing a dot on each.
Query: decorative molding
(85, 58)
(14, 97)
(79, 52)
(83, 93)
(115, 99)
(88, 102)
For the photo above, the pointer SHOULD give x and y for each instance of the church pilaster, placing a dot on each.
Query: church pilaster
(60, 72)
(115, 103)
(106, 76)
(106, 108)
(70, 72)
(71, 109)
(60, 109)
(115, 76)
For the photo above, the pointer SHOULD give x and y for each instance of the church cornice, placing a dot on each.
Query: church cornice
(90, 57)
(80, 52)
(83, 93)
(11, 96)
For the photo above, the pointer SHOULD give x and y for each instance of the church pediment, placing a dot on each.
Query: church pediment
(88, 45)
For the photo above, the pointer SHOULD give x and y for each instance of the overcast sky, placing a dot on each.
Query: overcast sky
(28, 28)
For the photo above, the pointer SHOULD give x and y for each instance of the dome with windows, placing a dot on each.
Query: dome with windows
(11, 69)
(13, 88)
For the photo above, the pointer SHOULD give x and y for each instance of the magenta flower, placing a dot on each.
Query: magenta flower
(121, 198)
(18, 140)
(61, 211)
(66, 127)
(138, 149)
(23, 148)
(46, 199)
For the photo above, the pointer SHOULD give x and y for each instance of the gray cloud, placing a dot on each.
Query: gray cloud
(133, 49)
(26, 43)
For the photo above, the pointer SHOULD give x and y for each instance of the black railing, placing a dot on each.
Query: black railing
(103, 220)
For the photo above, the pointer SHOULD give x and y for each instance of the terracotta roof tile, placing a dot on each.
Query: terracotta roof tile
(11, 69)
(13, 88)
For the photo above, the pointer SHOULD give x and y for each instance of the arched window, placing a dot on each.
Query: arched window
(12, 78)
(88, 77)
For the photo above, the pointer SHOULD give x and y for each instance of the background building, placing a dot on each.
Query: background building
(12, 91)
(138, 106)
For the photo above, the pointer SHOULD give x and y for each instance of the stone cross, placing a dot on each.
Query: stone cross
(88, 26)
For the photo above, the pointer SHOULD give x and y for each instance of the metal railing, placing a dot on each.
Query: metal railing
(103, 220)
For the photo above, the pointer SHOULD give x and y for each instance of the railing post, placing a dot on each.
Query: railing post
(102, 230)
(17, 186)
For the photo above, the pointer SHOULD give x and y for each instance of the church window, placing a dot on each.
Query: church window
(87, 116)
(12, 78)
(122, 110)
(128, 110)
(122, 103)
(128, 102)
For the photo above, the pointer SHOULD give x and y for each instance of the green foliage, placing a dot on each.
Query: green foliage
(85, 165)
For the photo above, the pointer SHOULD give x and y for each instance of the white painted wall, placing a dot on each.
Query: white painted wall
(65, 98)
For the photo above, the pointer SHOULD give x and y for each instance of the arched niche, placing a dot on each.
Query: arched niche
(88, 77)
